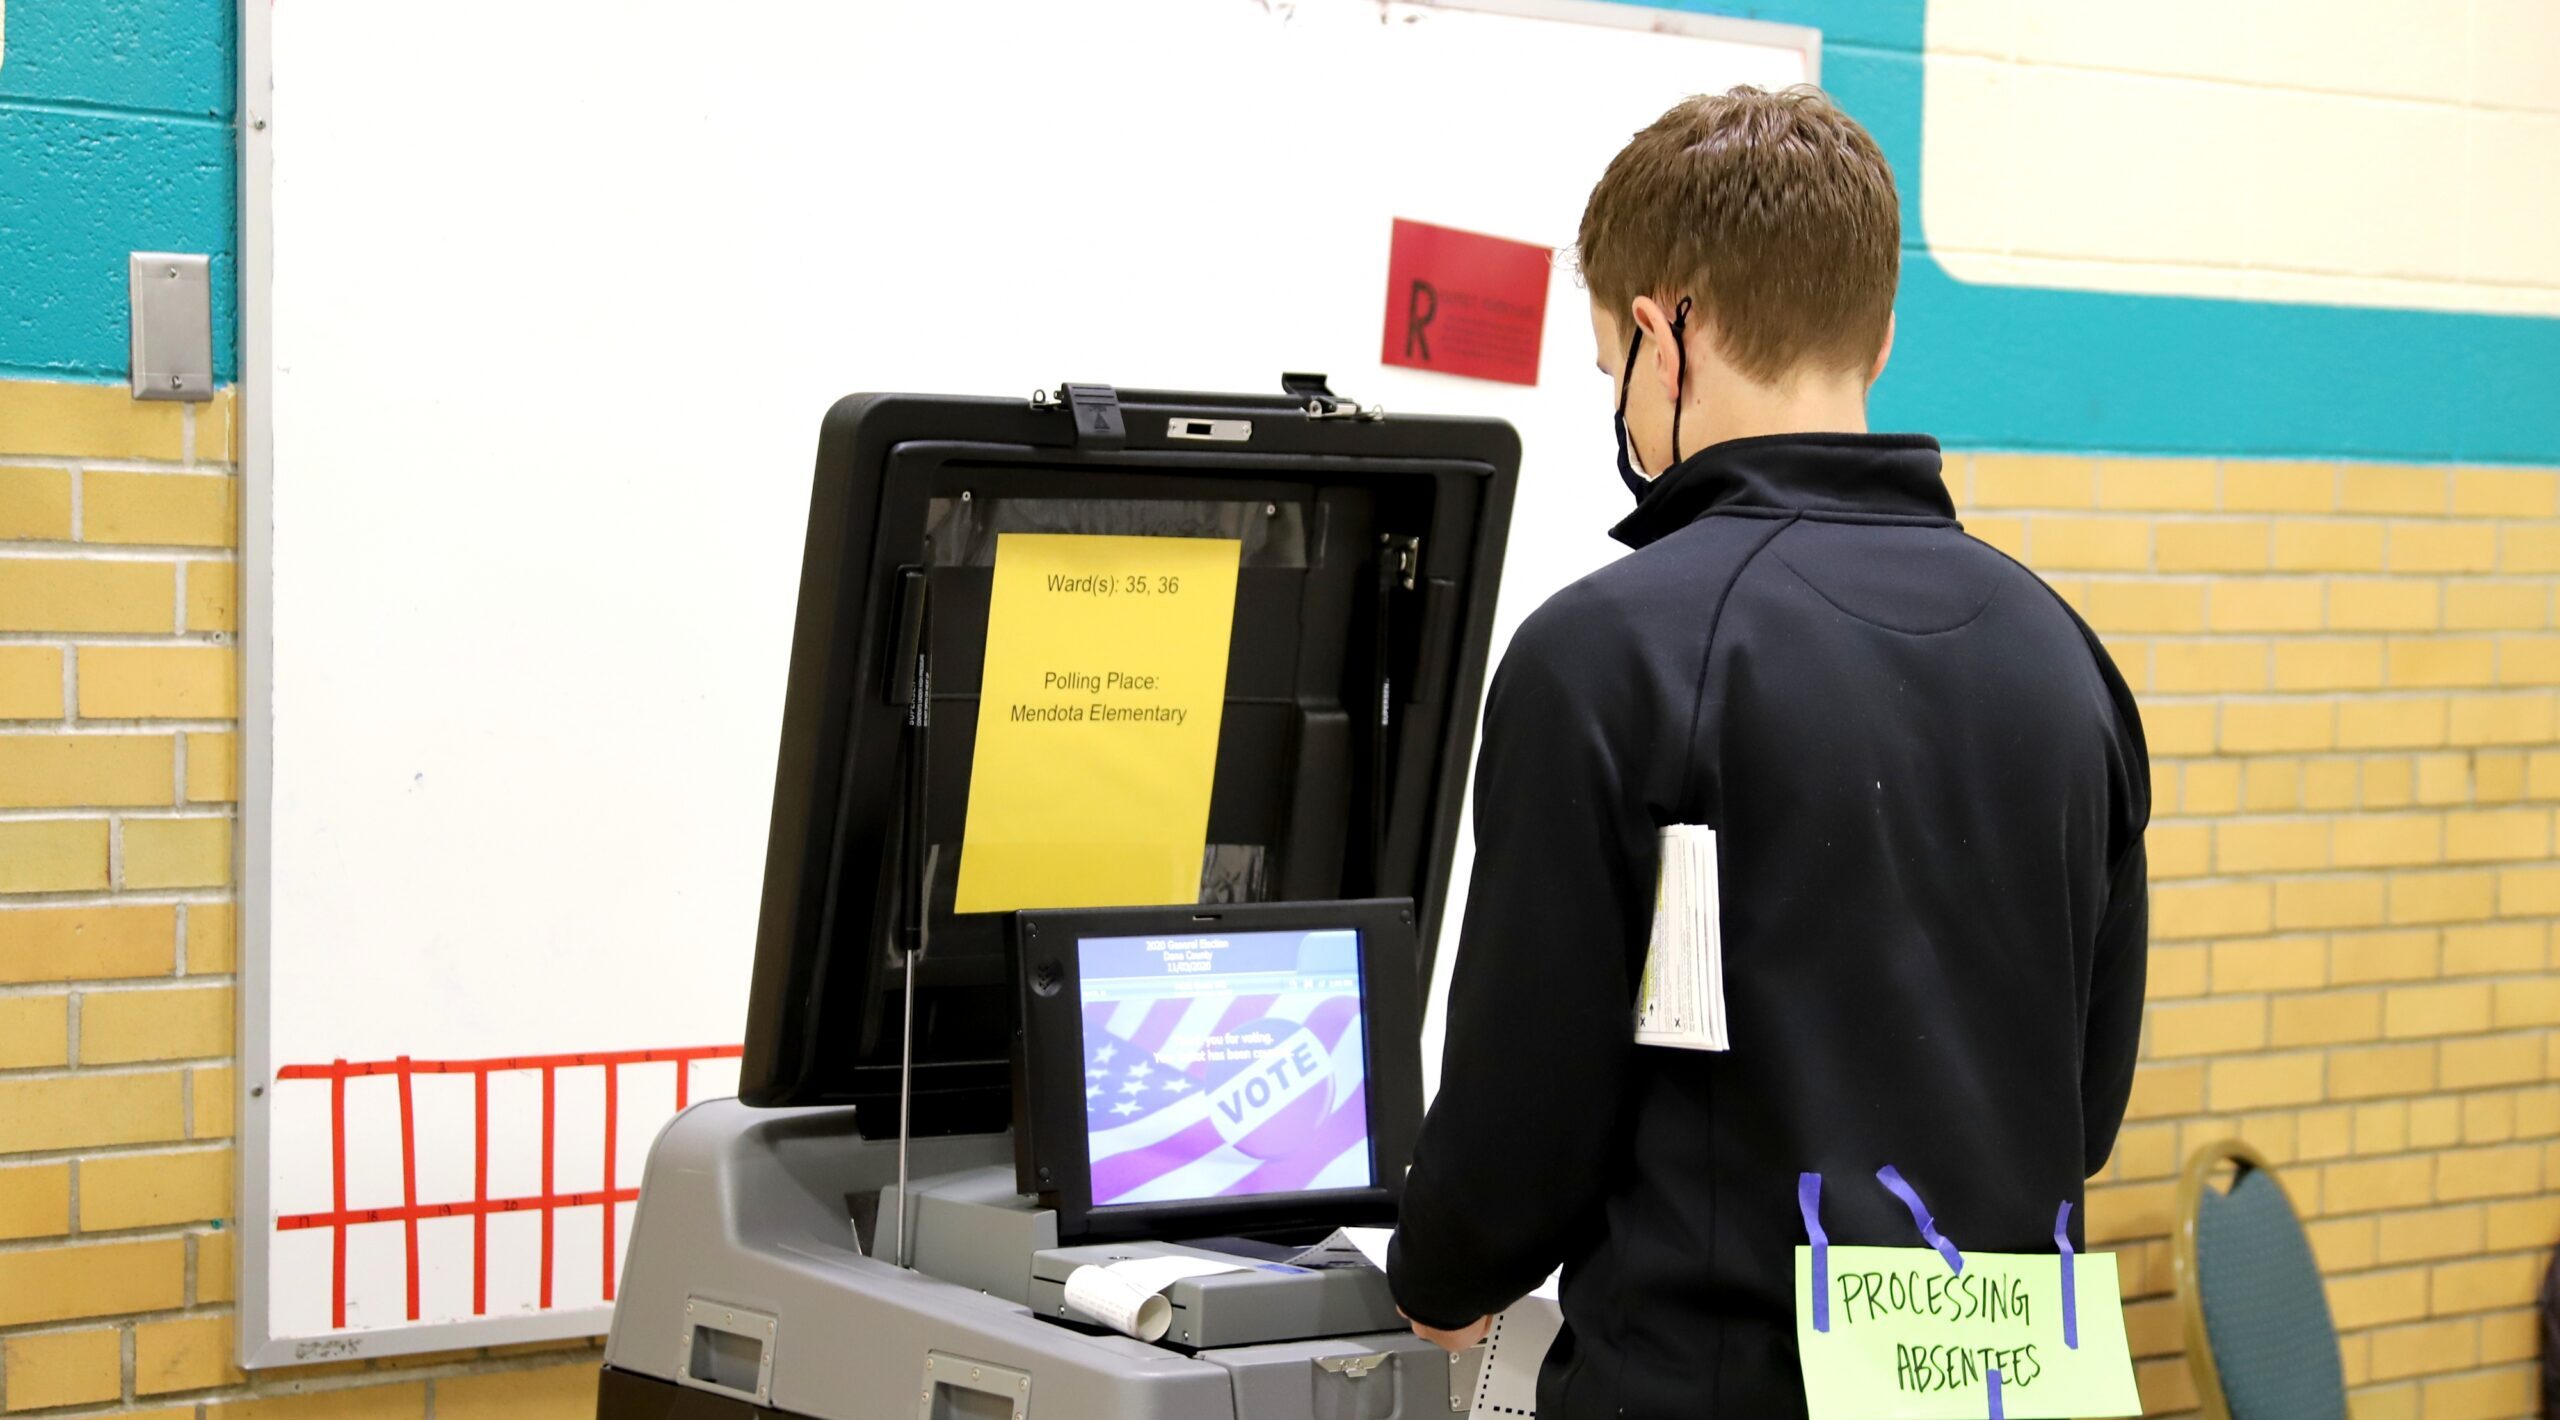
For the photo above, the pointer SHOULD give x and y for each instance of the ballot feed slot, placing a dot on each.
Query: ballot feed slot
(961, 530)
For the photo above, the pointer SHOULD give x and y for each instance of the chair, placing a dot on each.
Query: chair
(2260, 1341)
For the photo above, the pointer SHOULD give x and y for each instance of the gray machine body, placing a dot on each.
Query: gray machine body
(745, 1281)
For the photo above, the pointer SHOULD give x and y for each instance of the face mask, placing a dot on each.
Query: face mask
(1636, 482)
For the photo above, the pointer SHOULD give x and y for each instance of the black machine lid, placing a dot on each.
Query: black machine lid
(1369, 550)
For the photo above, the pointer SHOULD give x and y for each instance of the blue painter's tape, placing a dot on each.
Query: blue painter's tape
(2070, 1292)
(1995, 1396)
(1809, 1203)
(1891, 1178)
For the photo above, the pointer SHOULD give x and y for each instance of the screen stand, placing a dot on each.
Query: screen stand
(917, 632)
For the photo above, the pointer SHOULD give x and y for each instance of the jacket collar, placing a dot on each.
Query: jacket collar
(1863, 475)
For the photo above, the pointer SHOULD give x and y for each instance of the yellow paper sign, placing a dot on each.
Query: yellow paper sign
(1097, 721)
(1903, 1337)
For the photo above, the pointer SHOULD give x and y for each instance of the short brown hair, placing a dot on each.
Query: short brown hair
(1774, 212)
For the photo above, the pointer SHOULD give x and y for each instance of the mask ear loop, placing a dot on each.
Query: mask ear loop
(1679, 343)
(1626, 381)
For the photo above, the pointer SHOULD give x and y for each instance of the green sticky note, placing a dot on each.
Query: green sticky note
(1910, 1339)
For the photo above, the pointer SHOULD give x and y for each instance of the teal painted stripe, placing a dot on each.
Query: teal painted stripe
(79, 192)
(145, 55)
(2019, 367)
(116, 136)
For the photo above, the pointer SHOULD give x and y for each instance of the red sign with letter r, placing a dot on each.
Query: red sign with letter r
(1465, 304)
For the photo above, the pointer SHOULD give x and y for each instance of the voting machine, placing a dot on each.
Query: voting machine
(1121, 766)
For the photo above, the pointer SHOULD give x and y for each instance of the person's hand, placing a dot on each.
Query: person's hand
(1451, 1341)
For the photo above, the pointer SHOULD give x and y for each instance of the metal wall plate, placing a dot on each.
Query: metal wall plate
(727, 1350)
(172, 299)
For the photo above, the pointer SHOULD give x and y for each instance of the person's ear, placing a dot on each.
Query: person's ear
(1883, 353)
(1661, 344)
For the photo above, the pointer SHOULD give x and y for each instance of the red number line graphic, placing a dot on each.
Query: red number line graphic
(612, 1117)
(409, 1180)
(480, 1205)
(550, 1133)
(480, 1189)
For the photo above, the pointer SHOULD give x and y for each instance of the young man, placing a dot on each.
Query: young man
(1927, 783)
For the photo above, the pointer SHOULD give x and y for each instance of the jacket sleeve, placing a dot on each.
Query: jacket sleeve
(2115, 1007)
(2123, 949)
(1514, 1153)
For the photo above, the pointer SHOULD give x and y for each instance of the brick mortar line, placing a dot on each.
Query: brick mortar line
(81, 898)
(77, 464)
(98, 552)
(82, 1153)
(69, 1325)
(45, 1074)
(169, 1149)
(165, 813)
(99, 1242)
(119, 986)
(73, 640)
(125, 1346)
(71, 1023)
(139, 897)
(121, 811)
(137, 725)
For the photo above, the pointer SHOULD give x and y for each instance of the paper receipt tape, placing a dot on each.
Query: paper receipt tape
(1119, 1303)
(1128, 1295)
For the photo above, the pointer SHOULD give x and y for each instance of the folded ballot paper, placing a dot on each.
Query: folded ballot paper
(1507, 1375)
(1681, 1003)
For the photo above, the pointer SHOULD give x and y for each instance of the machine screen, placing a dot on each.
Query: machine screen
(1224, 1064)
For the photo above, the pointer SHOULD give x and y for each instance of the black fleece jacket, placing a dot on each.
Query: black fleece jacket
(1929, 791)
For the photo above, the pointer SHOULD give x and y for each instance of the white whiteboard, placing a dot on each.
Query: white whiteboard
(544, 305)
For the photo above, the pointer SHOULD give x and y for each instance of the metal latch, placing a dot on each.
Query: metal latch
(1404, 557)
(1355, 1367)
(1323, 403)
(1095, 410)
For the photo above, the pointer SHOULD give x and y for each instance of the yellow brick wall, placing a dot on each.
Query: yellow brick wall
(119, 718)
(2350, 676)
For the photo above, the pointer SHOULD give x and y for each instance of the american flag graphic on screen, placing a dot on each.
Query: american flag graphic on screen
(1219, 1094)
